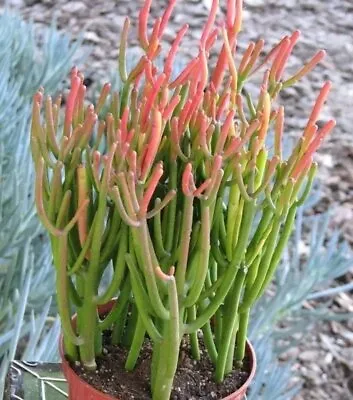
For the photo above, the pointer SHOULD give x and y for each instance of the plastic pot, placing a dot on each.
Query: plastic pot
(79, 389)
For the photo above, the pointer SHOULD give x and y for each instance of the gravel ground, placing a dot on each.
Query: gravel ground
(324, 361)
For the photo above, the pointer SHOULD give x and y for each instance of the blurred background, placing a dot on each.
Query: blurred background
(313, 329)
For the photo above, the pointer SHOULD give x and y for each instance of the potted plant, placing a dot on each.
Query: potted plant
(171, 192)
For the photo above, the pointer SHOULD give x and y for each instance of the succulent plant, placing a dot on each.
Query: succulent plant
(171, 185)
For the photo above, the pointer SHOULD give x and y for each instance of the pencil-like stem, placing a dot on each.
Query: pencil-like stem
(172, 171)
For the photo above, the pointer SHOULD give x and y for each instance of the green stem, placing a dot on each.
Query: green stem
(154, 363)
(110, 241)
(233, 206)
(195, 235)
(210, 310)
(253, 270)
(261, 229)
(194, 343)
(222, 227)
(122, 51)
(56, 191)
(39, 197)
(171, 210)
(204, 255)
(120, 324)
(252, 292)
(70, 171)
(115, 193)
(117, 311)
(88, 312)
(157, 230)
(230, 358)
(287, 230)
(185, 235)
(308, 185)
(216, 250)
(150, 275)
(130, 329)
(137, 342)
(169, 352)
(81, 258)
(209, 342)
(230, 316)
(125, 97)
(214, 272)
(71, 351)
(241, 337)
(73, 293)
(142, 301)
(237, 221)
(88, 321)
(210, 292)
(218, 327)
(119, 268)
(62, 290)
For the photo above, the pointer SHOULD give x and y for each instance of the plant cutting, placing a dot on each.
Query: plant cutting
(169, 203)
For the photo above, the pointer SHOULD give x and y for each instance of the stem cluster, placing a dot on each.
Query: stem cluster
(172, 186)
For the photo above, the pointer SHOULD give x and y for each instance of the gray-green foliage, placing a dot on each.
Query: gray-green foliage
(298, 279)
(28, 58)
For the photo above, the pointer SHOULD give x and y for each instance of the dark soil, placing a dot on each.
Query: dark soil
(193, 380)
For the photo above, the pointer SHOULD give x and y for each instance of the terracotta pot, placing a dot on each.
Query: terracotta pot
(79, 389)
(241, 392)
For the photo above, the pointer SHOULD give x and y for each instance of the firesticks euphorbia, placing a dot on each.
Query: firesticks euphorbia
(172, 184)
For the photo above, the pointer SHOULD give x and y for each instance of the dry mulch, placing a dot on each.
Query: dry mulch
(324, 360)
